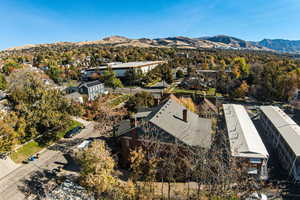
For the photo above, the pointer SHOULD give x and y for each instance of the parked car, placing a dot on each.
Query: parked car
(73, 132)
(84, 144)
(257, 196)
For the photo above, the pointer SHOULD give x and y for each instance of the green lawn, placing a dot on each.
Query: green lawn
(25, 151)
(122, 98)
(33, 147)
(179, 90)
(73, 125)
(153, 83)
(209, 92)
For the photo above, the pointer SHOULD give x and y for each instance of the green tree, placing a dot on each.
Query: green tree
(44, 110)
(179, 74)
(166, 73)
(141, 99)
(110, 80)
(10, 65)
(133, 76)
(240, 65)
(2, 82)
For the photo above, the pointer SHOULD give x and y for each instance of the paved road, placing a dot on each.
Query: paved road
(11, 184)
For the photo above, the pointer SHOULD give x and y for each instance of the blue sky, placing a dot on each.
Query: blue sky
(44, 21)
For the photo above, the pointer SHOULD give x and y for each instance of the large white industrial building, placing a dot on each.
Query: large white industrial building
(121, 68)
(285, 136)
(245, 142)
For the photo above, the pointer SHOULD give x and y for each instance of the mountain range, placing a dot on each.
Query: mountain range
(218, 42)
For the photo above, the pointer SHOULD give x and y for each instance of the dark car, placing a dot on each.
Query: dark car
(73, 132)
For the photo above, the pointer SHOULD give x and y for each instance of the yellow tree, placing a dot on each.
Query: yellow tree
(241, 91)
(7, 137)
(97, 167)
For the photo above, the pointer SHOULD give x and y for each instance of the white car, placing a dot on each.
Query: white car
(257, 196)
(84, 144)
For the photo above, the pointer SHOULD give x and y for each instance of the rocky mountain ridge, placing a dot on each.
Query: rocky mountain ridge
(217, 42)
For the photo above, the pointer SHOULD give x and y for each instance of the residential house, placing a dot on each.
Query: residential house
(245, 142)
(92, 89)
(170, 123)
(194, 83)
(208, 109)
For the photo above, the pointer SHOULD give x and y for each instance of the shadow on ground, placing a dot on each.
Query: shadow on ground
(41, 183)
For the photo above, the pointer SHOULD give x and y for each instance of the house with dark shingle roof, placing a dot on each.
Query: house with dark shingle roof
(170, 123)
(93, 89)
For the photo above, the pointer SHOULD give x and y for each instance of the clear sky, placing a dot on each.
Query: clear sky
(44, 21)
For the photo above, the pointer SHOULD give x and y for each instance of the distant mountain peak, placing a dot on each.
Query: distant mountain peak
(115, 38)
(218, 42)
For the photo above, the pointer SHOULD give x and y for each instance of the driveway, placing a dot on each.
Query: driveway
(11, 185)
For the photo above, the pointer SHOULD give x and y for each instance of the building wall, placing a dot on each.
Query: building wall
(285, 154)
(119, 72)
(95, 91)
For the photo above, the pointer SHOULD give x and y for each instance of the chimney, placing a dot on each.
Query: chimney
(184, 115)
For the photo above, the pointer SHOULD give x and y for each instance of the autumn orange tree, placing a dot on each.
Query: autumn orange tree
(242, 90)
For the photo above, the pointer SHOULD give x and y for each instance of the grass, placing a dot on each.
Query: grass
(209, 92)
(185, 91)
(153, 83)
(117, 101)
(74, 124)
(25, 151)
(33, 147)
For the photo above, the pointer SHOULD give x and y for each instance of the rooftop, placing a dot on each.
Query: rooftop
(243, 136)
(169, 117)
(127, 65)
(90, 84)
(286, 126)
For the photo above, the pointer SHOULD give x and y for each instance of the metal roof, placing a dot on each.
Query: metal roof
(131, 64)
(169, 117)
(287, 127)
(243, 136)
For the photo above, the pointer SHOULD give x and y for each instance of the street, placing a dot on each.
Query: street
(50, 158)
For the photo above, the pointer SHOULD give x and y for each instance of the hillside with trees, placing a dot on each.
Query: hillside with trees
(264, 72)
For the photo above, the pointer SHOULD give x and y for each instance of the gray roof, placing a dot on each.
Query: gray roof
(243, 137)
(169, 117)
(90, 83)
(128, 65)
(123, 127)
(288, 129)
